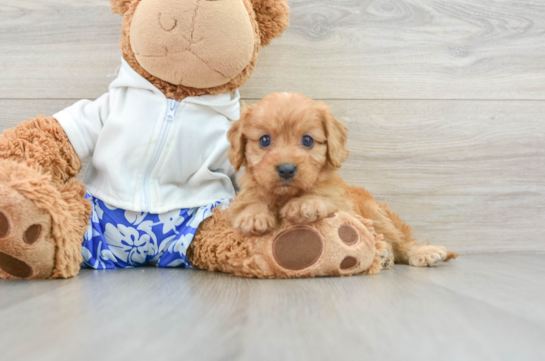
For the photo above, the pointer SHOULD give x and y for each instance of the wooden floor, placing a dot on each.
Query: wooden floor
(479, 307)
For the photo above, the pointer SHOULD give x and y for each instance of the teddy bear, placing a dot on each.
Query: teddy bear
(159, 180)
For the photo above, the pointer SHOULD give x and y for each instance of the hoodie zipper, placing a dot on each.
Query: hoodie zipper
(165, 129)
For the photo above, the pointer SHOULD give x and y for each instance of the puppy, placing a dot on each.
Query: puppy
(292, 148)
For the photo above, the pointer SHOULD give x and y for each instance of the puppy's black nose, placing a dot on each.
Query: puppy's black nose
(286, 170)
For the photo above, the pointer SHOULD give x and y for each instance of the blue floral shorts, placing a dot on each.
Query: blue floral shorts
(121, 239)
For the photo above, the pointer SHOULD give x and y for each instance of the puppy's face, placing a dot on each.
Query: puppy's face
(286, 141)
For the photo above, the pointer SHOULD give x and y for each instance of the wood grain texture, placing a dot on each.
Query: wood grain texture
(342, 49)
(485, 307)
(465, 174)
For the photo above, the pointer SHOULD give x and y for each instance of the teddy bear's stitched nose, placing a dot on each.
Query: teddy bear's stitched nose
(286, 170)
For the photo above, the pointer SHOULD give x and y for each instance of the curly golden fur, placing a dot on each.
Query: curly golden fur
(316, 189)
(312, 193)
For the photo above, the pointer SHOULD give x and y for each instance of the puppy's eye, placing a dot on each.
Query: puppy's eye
(308, 141)
(264, 141)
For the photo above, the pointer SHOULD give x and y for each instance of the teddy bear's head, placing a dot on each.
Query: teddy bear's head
(195, 47)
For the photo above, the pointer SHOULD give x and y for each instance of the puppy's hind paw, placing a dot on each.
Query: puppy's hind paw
(386, 259)
(428, 256)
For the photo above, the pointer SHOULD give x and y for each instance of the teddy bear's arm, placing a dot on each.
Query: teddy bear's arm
(41, 143)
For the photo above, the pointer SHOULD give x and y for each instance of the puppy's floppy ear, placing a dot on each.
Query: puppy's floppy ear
(238, 141)
(120, 6)
(273, 17)
(336, 134)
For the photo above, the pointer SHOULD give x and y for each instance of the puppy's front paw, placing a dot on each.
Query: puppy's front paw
(304, 210)
(255, 224)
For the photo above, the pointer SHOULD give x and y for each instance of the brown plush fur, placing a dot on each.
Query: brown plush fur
(272, 17)
(47, 181)
(41, 143)
(269, 19)
(219, 247)
(68, 216)
(316, 190)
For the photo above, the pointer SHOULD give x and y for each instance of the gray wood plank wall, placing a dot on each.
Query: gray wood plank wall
(445, 101)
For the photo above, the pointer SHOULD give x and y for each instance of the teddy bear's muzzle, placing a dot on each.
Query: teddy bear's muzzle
(198, 44)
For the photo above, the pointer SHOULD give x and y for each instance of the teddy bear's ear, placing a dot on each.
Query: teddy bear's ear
(120, 6)
(273, 17)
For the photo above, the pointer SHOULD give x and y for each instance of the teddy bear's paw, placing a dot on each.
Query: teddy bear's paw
(427, 256)
(304, 210)
(255, 224)
(338, 245)
(300, 247)
(26, 247)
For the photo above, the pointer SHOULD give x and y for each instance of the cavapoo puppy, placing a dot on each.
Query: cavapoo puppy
(292, 148)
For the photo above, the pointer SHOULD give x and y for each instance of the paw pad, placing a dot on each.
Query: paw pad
(32, 233)
(27, 246)
(4, 225)
(9, 264)
(339, 245)
(14, 267)
(297, 248)
(348, 234)
(348, 262)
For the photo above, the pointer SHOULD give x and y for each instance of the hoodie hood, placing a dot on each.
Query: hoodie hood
(227, 104)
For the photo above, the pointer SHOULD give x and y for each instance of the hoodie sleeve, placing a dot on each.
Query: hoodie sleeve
(83, 122)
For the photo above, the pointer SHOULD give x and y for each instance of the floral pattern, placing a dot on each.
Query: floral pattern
(118, 238)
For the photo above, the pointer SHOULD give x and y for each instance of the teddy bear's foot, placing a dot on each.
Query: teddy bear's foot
(26, 247)
(333, 244)
(339, 245)
(41, 224)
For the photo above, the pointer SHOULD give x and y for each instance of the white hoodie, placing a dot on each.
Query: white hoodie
(150, 153)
